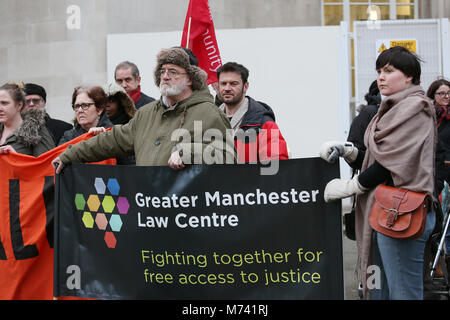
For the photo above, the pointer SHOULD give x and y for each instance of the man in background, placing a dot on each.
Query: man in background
(257, 136)
(36, 97)
(127, 76)
(154, 133)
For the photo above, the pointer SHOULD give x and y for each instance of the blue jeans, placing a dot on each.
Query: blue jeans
(401, 264)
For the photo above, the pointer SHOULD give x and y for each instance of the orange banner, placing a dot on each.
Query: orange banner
(26, 223)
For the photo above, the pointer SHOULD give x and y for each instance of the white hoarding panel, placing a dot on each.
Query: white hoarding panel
(420, 36)
(294, 70)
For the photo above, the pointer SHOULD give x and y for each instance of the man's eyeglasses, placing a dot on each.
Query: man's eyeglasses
(443, 94)
(33, 101)
(171, 72)
(83, 106)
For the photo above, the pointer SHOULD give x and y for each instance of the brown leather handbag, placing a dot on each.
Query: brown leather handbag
(399, 213)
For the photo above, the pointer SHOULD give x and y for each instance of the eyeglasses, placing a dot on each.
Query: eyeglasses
(172, 73)
(83, 106)
(33, 101)
(443, 94)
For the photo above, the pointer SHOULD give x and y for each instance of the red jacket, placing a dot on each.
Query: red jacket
(258, 137)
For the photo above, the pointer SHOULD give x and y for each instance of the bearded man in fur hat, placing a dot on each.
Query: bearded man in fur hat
(160, 132)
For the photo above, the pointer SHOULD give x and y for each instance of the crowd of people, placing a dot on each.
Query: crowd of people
(401, 138)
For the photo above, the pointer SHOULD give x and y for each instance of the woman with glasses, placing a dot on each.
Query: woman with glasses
(89, 105)
(439, 92)
(21, 131)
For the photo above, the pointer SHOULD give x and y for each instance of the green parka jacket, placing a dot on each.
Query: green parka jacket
(152, 135)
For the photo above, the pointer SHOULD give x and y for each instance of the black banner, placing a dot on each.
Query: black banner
(205, 232)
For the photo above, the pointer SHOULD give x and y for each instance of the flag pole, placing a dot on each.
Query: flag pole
(189, 33)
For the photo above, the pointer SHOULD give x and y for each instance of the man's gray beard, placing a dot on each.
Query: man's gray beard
(175, 90)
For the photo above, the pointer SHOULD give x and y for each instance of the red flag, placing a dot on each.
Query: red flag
(200, 37)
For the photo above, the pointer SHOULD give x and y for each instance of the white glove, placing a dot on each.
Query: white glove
(331, 150)
(340, 188)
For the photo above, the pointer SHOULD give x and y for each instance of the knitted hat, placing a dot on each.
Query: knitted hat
(31, 88)
(179, 57)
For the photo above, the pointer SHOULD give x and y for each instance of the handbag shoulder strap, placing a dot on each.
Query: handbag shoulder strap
(397, 198)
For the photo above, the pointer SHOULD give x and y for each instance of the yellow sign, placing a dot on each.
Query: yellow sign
(411, 45)
(382, 48)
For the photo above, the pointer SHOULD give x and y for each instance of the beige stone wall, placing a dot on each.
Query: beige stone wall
(36, 45)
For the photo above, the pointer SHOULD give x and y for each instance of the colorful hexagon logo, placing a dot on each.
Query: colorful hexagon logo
(93, 219)
(93, 202)
(88, 220)
(100, 186)
(115, 222)
(123, 205)
(108, 204)
(79, 201)
(113, 186)
(110, 239)
(101, 221)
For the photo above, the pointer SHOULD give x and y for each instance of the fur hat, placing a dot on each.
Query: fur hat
(192, 58)
(114, 91)
(31, 88)
(180, 58)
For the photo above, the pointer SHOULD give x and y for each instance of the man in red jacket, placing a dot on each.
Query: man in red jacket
(257, 137)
